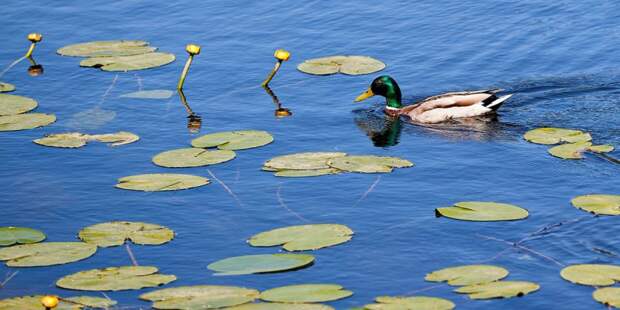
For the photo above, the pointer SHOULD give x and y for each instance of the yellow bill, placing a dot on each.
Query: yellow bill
(365, 95)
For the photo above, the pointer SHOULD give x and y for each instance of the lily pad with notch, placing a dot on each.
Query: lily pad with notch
(609, 296)
(107, 48)
(156, 182)
(410, 303)
(499, 289)
(77, 139)
(46, 253)
(551, 135)
(467, 275)
(116, 233)
(192, 157)
(368, 163)
(598, 203)
(234, 140)
(129, 63)
(303, 237)
(350, 65)
(576, 150)
(10, 235)
(302, 161)
(200, 297)
(115, 279)
(13, 104)
(262, 263)
(71, 303)
(592, 274)
(305, 293)
(25, 121)
(482, 211)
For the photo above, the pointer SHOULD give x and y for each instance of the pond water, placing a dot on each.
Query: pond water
(559, 59)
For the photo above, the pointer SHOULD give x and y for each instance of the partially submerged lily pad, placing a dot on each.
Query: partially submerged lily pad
(499, 289)
(576, 150)
(6, 87)
(115, 279)
(129, 63)
(46, 253)
(107, 48)
(280, 306)
(116, 233)
(263, 263)
(609, 296)
(482, 211)
(303, 237)
(550, 135)
(92, 118)
(10, 235)
(25, 121)
(467, 275)
(368, 164)
(302, 161)
(598, 203)
(234, 140)
(410, 303)
(200, 297)
(13, 104)
(192, 157)
(72, 303)
(150, 94)
(305, 293)
(351, 65)
(161, 182)
(76, 139)
(592, 274)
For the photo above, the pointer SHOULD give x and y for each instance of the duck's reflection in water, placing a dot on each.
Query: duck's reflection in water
(194, 121)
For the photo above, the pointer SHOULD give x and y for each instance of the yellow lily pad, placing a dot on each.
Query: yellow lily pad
(234, 140)
(609, 296)
(467, 275)
(262, 263)
(161, 182)
(10, 235)
(302, 161)
(499, 289)
(200, 297)
(192, 157)
(106, 48)
(550, 135)
(368, 164)
(13, 104)
(305, 293)
(72, 303)
(46, 253)
(76, 139)
(150, 94)
(115, 139)
(351, 65)
(115, 279)
(410, 303)
(576, 150)
(592, 274)
(303, 237)
(129, 63)
(306, 173)
(25, 121)
(482, 211)
(6, 87)
(280, 306)
(116, 233)
(598, 203)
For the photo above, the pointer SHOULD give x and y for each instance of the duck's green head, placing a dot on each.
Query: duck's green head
(384, 86)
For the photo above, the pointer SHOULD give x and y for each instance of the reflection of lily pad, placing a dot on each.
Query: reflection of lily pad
(306, 173)
(467, 275)
(6, 87)
(161, 182)
(115, 233)
(598, 204)
(200, 297)
(549, 135)
(280, 306)
(592, 274)
(575, 150)
(115, 279)
(609, 296)
(25, 121)
(303, 237)
(368, 164)
(13, 104)
(72, 303)
(499, 289)
(482, 211)
(129, 63)
(192, 157)
(249, 264)
(305, 293)
(76, 139)
(234, 140)
(19, 235)
(107, 48)
(302, 161)
(150, 94)
(410, 303)
(351, 65)
(46, 253)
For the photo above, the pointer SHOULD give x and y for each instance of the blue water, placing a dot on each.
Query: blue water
(559, 58)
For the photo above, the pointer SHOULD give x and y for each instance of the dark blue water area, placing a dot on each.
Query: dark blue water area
(560, 59)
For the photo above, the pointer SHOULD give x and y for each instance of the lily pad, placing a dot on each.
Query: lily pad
(234, 140)
(161, 182)
(129, 63)
(200, 297)
(598, 203)
(550, 135)
(192, 157)
(116, 233)
(46, 253)
(107, 48)
(89, 302)
(76, 139)
(25, 121)
(499, 289)
(360, 65)
(263, 263)
(280, 306)
(592, 274)
(13, 104)
(6, 87)
(10, 235)
(303, 161)
(72, 303)
(116, 139)
(467, 275)
(150, 94)
(306, 173)
(368, 164)
(351, 65)
(305, 293)
(115, 279)
(410, 303)
(576, 150)
(609, 296)
(303, 237)
(482, 211)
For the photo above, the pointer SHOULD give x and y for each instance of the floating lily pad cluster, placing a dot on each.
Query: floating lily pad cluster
(481, 211)
(596, 275)
(14, 116)
(575, 142)
(349, 65)
(118, 55)
(65, 303)
(76, 139)
(598, 204)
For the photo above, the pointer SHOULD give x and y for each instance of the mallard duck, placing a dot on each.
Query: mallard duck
(438, 108)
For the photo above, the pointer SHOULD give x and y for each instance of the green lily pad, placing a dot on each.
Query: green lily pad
(306, 173)
(116, 139)
(576, 150)
(609, 296)
(72, 303)
(6, 87)
(303, 237)
(13, 104)
(90, 302)
(467, 275)
(115, 279)
(360, 65)
(25, 121)
(249, 264)
(410, 303)
(549, 135)
(234, 140)
(280, 306)
(192, 157)
(10, 235)
(156, 182)
(368, 164)
(482, 211)
(305, 293)
(302, 161)
(150, 94)
(116, 233)
(129, 63)
(598, 203)
(499, 289)
(46, 253)
(200, 297)
(592, 274)
(351, 65)
(106, 48)
(63, 140)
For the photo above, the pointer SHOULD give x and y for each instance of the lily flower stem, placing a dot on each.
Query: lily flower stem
(185, 71)
(30, 50)
(272, 73)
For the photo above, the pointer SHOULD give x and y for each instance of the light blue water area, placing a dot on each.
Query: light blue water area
(559, 59)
